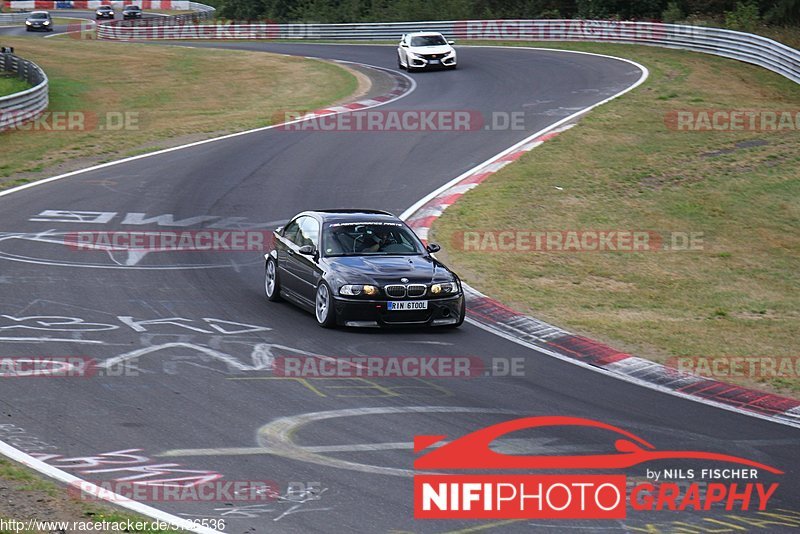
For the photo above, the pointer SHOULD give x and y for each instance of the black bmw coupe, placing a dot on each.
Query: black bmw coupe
(361, 268)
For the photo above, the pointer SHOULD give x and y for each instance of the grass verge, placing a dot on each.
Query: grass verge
(621, 167)
(10, 84)
(26, 495)
(159, 96)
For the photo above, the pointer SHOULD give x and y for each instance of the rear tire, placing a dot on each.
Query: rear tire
(323, 306)
(272, 285)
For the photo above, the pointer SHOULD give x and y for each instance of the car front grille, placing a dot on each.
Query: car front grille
(416, 290)
(398, 291)
(433, 56)
(395, 291)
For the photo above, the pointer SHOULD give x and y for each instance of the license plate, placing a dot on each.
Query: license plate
(407, 305)
(434, 62)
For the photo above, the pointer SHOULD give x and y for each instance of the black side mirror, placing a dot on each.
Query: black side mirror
(433, 248)
(307, 250)
(404, 45)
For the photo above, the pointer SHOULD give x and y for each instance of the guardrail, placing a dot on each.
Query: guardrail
(12, 18)
(201, 12)
(745, 47)
(26, 105)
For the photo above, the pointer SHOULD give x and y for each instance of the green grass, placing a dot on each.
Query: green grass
(622, 168)
(182, 92)
(10, 84)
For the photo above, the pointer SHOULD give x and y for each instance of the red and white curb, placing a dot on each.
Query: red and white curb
(422, 219)
(402, 85)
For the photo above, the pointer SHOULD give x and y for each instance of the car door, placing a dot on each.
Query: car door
(306, 266)
(286, 248)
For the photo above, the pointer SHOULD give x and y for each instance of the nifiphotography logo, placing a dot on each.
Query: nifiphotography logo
(573, 496)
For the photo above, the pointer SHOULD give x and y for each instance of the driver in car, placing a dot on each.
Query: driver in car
(380, 237)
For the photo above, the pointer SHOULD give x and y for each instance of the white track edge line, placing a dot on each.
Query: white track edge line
(629, 378)
(135, 506)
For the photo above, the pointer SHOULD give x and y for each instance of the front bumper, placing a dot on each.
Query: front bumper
(421, 63)
(359, 312)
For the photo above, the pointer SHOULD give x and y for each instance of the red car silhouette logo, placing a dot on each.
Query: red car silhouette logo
(473, 450)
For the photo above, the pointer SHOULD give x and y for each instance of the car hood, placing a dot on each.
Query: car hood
(426, 50)
(382, 270)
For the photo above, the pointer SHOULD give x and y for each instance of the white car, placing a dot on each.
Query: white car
(425, 49)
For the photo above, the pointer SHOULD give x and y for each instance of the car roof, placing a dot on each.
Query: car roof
(345, 215)
(423, 34)
(38, 13)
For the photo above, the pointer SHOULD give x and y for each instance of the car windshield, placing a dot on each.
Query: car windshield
(38, 16)
(369, 239)
(428, 40)
(132, 8)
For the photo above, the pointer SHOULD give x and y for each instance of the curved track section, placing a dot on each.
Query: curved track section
(18, 30)
(195, 346)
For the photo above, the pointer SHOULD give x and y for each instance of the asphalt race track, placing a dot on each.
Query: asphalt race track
(18, 30)
(197, 334)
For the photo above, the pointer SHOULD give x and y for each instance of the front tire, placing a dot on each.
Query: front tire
(272, 285)
(323, 307)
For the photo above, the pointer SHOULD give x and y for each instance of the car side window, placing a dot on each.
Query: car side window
(309, 232)
(291, 231)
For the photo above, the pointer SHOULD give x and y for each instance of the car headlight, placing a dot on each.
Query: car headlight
(353, 290)
(444, 289)
(46, 23)
(28, 22)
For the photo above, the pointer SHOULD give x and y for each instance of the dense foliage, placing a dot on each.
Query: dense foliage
(738, 14)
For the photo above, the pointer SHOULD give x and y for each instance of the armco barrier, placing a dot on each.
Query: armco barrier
(26, 105)
(745, 47)
(12, 18)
